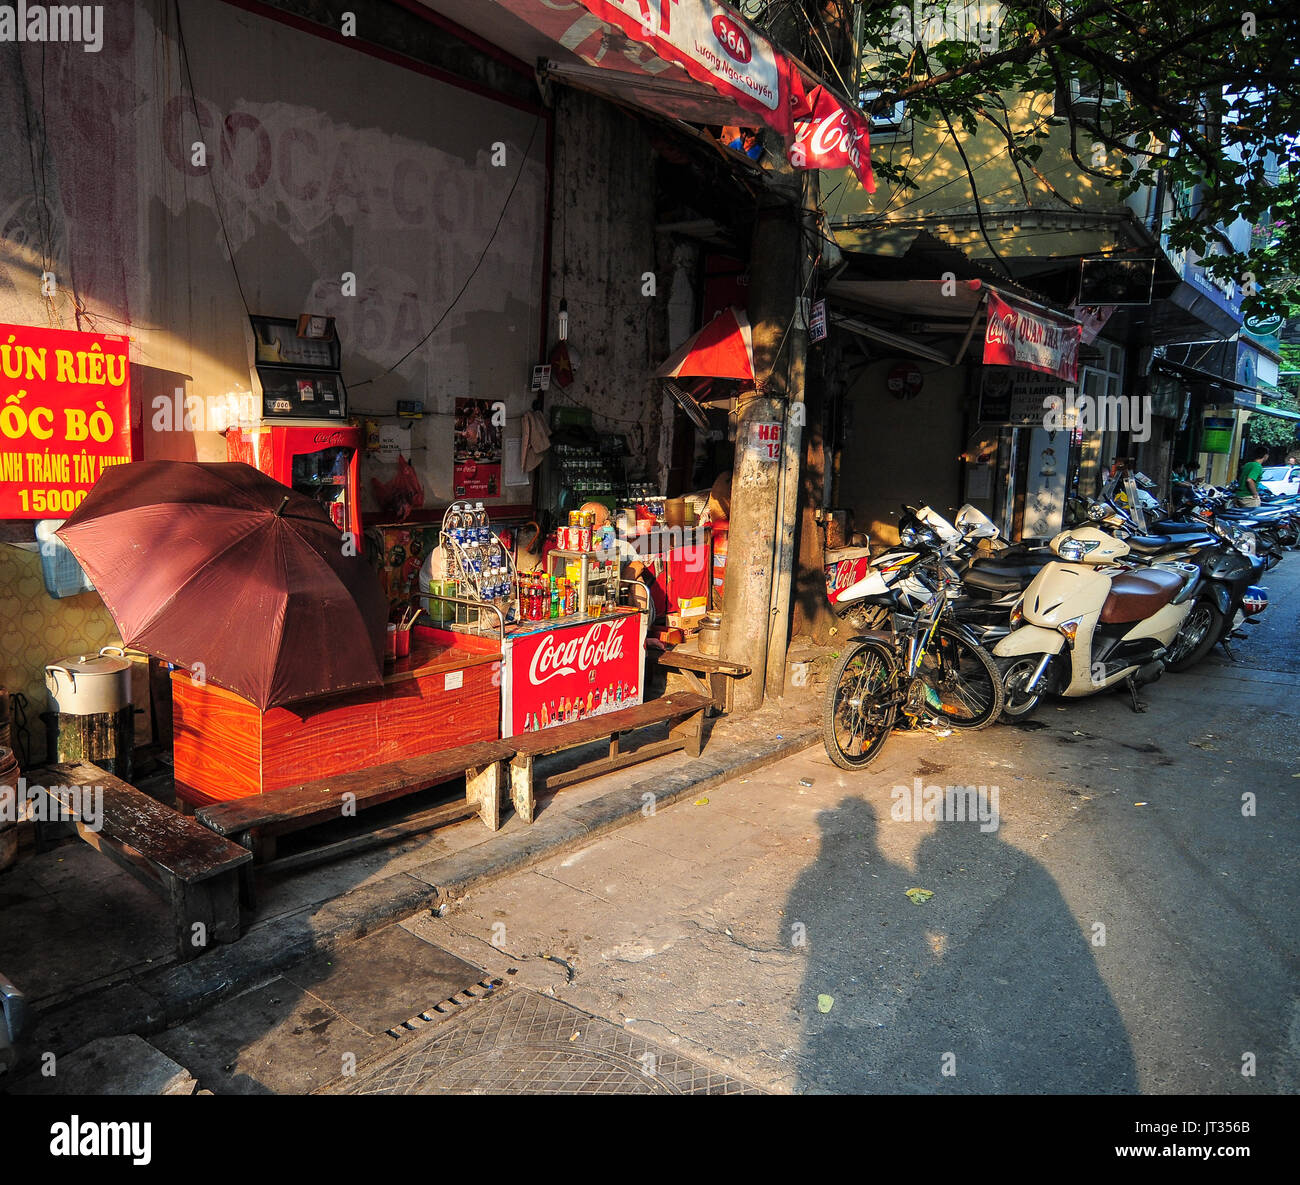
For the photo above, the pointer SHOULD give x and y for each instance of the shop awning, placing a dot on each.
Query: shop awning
(1263, 409)
(723, 349)
(1018, 332)
(697, 60)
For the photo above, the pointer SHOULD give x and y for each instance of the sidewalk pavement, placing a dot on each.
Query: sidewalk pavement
(92, 948)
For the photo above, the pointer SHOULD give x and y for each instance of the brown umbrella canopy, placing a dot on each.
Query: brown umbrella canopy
(223, 566)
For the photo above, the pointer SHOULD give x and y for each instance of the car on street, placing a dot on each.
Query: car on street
(1281, 479)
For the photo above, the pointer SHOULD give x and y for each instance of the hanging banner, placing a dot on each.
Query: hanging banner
(1093, 318)
(827, 134)
(712, 43)
(65, 417)
(1033, 337)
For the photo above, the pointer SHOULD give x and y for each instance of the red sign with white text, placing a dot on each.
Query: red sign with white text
(712, 43)
(1035, 338)
(556, 676)
(65, 417)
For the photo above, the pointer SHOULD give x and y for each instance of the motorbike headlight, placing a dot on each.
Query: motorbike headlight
(1017, 613)
(1071, 550)
(1248, 541)
(1097, 511)
(907, 537)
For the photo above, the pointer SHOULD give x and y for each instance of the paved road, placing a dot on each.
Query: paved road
(1128, 925)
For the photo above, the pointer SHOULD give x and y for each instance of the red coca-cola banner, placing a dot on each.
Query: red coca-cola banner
(827, 134)
(560, 675)
(1018, 334)
(712, 43)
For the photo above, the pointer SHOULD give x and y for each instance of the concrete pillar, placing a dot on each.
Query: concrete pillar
(752, 546)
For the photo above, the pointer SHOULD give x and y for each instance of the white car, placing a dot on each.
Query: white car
(1281, 479)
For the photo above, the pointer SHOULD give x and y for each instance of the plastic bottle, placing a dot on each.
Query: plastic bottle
(480, 524)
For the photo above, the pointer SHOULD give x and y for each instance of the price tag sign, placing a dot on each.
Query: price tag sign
(765, 440)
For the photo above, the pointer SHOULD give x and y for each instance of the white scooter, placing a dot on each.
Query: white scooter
(1091, 622)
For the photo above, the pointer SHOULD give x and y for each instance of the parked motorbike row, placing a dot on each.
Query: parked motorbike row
(957, 628)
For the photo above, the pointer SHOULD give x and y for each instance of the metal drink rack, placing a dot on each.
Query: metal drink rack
(465, 575)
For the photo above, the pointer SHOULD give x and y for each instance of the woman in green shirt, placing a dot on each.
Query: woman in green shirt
(1248, 478)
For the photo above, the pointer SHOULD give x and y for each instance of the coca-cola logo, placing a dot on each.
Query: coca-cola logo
(831, 136)
(732, 38)
(1002, 330)
(602, 643)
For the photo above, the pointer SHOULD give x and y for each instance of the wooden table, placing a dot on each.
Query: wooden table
(441, 695)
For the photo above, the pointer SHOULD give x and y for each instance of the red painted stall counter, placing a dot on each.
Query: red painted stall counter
(438, 697)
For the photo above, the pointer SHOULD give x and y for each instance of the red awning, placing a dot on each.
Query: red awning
(697, 60)
(723, 349)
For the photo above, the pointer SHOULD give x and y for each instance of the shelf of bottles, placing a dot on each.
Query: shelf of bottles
(586, 472)
(480, 564)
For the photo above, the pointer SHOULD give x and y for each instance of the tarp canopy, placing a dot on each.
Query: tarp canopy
(723, 349)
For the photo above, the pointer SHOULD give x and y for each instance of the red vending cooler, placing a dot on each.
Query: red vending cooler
(319, 460)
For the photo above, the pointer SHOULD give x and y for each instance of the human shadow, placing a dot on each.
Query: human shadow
(990, 986)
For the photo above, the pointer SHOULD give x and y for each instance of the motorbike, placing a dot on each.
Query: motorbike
(1098, 616)
(926, 666)
(1229, 570)
(990, 573)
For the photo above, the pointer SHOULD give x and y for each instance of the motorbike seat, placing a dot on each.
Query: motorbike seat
(1138, 595)
(1172, 527)
(1155, 544)
(995, 580)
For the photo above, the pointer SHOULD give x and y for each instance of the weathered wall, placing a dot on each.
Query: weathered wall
(901, 450)
(603, 247)
(321, 160)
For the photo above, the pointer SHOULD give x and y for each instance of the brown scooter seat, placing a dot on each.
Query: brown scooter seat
(1138, 595)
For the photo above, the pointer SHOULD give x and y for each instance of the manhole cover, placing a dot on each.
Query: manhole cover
(517, 1042)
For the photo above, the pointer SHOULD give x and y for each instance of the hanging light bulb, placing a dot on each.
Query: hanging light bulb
(564, 320)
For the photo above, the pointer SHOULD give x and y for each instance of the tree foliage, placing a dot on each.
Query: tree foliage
(1200, 95)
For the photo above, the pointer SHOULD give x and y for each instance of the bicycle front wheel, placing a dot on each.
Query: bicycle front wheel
(966, 689)
(861, 703)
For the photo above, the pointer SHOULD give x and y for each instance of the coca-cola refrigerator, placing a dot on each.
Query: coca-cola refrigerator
(316, 459)
(555, 673)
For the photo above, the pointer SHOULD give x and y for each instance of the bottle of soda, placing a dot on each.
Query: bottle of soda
(555, 599)
(481, 524)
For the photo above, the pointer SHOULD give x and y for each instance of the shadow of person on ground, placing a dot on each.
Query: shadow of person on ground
(990, 986)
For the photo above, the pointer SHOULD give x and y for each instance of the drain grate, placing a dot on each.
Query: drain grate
(445, 1008)
(517, 1042)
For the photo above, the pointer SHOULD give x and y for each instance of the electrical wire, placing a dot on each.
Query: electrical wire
(537, 122)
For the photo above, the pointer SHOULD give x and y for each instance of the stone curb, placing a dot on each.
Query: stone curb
(154, 1001)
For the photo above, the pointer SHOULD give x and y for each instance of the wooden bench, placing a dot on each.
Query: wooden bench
(196, 871)
(256, 820)
(686, 710)
(718, 671)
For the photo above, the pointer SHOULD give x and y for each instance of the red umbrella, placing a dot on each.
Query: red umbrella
(223, 566)
(723, 349)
